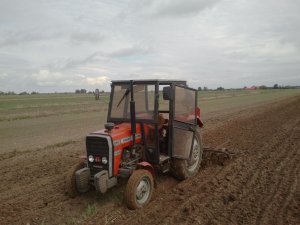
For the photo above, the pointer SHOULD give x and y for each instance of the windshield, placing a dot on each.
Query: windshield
(143, 97)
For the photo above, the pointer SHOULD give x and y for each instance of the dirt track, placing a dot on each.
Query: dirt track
(259, 186)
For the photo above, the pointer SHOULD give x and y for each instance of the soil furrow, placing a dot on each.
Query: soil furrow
(231, 196)
(259, 185)
(258, 176)
(268, 206)
(287, 171)
(282, 212)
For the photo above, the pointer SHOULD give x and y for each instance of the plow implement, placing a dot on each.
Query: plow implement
(219, 156)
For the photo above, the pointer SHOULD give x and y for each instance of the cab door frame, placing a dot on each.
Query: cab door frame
(181, 132)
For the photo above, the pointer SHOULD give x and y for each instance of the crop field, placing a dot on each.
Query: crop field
(42, 136)
(35, 121)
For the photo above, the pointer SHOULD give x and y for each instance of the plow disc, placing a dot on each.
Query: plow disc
(216, 156)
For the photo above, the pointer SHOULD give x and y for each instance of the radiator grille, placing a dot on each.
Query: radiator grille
(97, 146)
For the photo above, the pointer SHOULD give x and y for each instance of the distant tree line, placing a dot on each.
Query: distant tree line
(275, 86)
(80, 91)
(202, 89)
(97, 92)
(21, 93)
(84, 91)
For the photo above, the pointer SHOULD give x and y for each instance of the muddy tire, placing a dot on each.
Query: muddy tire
(139, 189)
(70, 183)
(182, 168)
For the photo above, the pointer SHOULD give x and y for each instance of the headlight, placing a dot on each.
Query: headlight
(104, 160)
(91, 158)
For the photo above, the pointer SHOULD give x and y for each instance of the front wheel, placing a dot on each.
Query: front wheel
(70, 182)
(139, 189)
(182, 168)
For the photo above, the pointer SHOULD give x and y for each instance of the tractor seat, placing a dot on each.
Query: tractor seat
(161, 121)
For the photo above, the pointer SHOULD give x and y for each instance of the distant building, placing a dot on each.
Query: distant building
(250, 88)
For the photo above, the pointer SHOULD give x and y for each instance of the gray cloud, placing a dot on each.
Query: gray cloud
(130, 51)
(92, 37)
(168, 8)
(70, 63)
(16, 38)
(62, 45)
(176, 8)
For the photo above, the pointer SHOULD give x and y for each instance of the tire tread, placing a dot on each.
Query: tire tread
(134, 180)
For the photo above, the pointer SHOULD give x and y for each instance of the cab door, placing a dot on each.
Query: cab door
(184, 123)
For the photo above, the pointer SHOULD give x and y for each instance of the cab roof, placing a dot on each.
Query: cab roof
(151, 81)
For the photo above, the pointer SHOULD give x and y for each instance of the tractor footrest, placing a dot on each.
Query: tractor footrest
(163, 158)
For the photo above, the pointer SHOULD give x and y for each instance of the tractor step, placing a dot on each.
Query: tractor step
(164, 162)
(163, 158)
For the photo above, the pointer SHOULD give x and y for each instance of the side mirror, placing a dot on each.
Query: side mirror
(167, 93)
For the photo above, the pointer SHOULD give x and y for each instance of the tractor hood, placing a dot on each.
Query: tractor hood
(121, 133)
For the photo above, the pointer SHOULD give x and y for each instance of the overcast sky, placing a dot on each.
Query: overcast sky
(54, 45)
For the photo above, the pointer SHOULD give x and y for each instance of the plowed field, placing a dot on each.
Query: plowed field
(260, 185)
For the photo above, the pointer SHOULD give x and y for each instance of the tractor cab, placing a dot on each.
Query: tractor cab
(163, 110)
(151, 125)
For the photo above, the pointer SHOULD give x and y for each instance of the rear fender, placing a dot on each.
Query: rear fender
(199, 121)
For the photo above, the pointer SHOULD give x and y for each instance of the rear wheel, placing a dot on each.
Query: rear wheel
(182, 168)
(70, 184)
(139, 189)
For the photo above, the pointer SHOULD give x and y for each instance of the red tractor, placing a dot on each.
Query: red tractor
(152, 125)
